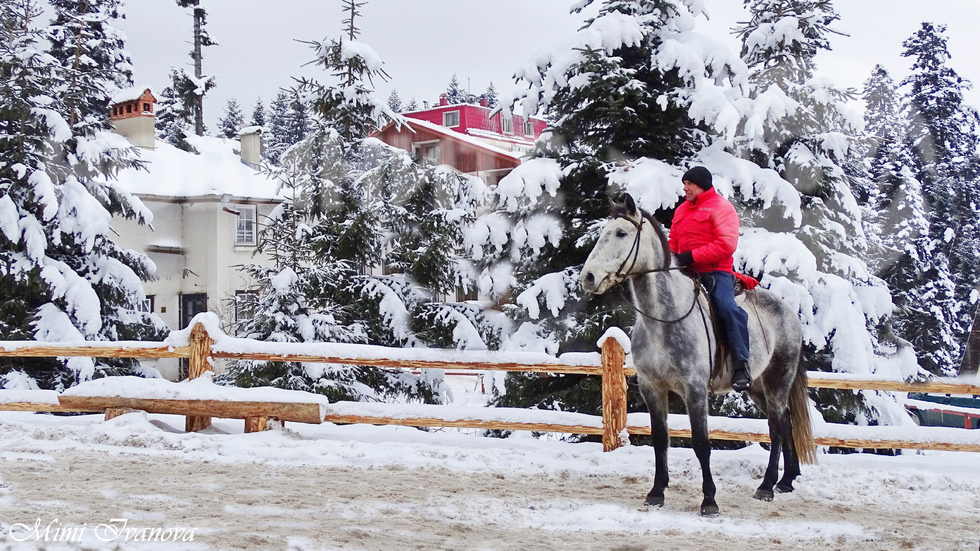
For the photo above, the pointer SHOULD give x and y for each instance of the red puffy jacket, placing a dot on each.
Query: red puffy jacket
(708, 227)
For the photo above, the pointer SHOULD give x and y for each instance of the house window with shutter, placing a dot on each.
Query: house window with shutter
(528, 128)
(245, 226)
(450, 119)
(508, 125)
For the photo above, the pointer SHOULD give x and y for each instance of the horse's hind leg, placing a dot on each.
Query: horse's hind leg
(791, 461)
(697, 410)
(656, 401)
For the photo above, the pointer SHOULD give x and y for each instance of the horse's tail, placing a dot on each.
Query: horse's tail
(799, 410)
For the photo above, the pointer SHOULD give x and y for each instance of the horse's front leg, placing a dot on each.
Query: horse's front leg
(656, 400)
(697, 410)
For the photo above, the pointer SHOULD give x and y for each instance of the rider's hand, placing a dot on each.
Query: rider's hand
(685, 258)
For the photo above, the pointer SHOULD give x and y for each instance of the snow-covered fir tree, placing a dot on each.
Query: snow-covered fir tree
(83, 37)
(355, 199)
(903, 248)
(289, 122)
(800, 126)
(395, 101)
(412, 105)
(63, 279)
(174, 120)
(491, 95)
(232, 121)
(276, 138)
(454, 92)
(943, 137)
(258, 114)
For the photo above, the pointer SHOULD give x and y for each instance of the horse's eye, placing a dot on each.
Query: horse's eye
(621, 233)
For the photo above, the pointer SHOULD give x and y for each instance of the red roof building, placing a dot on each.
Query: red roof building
(466, 137)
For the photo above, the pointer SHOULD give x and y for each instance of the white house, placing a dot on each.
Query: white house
(205, 212)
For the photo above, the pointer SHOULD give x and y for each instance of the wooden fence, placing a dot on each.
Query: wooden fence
(614, 424)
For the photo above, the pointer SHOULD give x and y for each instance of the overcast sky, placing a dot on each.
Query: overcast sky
(423, 42)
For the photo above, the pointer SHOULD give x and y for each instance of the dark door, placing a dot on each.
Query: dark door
(190, 306)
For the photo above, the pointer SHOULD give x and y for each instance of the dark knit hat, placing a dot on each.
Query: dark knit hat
(700, 176)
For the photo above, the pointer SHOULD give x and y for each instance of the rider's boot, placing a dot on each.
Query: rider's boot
(740, 379)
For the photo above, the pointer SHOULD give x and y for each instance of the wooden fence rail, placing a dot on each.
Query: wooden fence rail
(611, 366)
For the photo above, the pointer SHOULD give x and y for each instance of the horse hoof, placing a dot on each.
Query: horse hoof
(653, 501)
(763, 495)
(784, 488)
(709, 510)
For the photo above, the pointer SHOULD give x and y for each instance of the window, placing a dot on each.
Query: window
(146, 305)
(450, 118)
(146, 107)
(245, 226)
(129, 108)
(427, 151)
(528, 128)
(508, 125)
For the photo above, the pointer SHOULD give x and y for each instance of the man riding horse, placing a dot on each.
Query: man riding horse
(703, 236)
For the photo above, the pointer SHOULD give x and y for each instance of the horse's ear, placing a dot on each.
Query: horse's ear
(630, 205)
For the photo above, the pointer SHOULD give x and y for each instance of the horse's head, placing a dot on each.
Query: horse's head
(622, 251)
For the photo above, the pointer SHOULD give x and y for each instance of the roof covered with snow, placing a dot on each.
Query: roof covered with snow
(216, 171)
(130, 94)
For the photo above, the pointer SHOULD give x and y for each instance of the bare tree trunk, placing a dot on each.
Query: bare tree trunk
(198, 73)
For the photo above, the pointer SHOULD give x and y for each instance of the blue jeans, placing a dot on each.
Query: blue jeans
(734, 320)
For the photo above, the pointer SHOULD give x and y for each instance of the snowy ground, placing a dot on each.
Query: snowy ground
(323, 487)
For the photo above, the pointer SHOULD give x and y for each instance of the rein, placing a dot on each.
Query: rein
(635, 253)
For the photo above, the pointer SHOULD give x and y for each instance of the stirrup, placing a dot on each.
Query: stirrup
(741, 380)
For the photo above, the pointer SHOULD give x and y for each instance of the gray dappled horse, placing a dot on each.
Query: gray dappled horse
(675, 351)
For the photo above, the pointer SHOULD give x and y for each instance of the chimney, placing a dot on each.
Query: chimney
(483, 101)
(251, 138)
(131, 113)
(443, 99)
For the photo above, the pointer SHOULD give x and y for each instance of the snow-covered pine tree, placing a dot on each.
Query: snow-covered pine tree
(800, 127)
(63, 278)
(491, 96)
(626, 107)
(336, 220)
(412, 105)
(454, 92)
(232, 121)
(258, 114)
(943, 137)
(297, 119)
(277, 138)
(83, 38)
(173, 117)
(903, 247)
(424, 208)
(395, 101)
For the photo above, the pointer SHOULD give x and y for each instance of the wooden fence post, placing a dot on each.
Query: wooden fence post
(200, 362)
(613, 394)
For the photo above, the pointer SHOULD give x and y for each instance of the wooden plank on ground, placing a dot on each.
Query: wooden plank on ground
(286, 411)
(17, 349)
(460, 423)
(43, 408)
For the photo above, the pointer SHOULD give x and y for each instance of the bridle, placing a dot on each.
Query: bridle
(634, 252)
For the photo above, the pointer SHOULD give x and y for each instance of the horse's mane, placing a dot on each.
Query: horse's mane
(620, 210)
